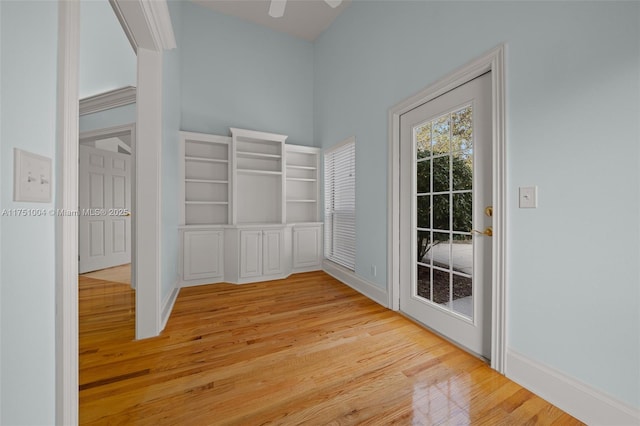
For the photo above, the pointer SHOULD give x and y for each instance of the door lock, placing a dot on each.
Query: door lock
(488, 211)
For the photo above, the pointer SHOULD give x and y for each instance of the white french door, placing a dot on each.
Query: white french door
(105, 206)
(445, 215)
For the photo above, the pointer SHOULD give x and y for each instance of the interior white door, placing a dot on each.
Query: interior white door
(445, 184)
(105, 209)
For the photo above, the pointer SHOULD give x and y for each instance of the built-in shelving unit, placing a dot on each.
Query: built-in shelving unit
(205, 171)
(302, 183)
(249, 208)
(258, 175)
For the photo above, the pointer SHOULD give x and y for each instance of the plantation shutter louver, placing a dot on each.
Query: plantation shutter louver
(340, 204)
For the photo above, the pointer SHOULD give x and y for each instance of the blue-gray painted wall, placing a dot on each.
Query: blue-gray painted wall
(573, 102)
(28, 78)
(237, 74)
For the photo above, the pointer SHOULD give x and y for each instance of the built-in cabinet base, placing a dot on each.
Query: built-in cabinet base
(248, 253)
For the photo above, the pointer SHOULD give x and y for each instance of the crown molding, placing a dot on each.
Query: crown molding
(159, 19)
(146, 23)
(107, 100)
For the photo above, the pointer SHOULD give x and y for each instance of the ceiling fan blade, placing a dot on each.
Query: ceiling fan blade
(276, 9)
(333, 3)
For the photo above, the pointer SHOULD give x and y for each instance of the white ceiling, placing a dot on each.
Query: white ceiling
(306, 19)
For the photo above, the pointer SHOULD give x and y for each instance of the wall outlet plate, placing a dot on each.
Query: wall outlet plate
(31, 177)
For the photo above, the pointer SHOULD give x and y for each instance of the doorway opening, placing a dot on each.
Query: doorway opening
(106, 167)
(105, 201)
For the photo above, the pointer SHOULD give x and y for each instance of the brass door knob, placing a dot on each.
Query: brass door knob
(488, 232)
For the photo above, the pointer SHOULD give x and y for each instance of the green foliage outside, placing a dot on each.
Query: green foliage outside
(445, 144)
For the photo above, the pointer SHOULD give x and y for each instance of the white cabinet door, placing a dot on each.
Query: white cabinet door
(250, 253)
(273, 252)
(307, 247)
(203, 254)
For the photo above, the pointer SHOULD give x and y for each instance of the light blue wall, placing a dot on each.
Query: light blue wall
(237, 74)
(170, 154)
(573, 107)
(28, 52)
(107, 60)
(1, 207)
(109, 118)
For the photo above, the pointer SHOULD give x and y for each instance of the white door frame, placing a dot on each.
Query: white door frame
(491, 61)
(148, 25)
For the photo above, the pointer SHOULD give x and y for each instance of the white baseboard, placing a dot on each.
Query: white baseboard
(357, 283)
(578, 399)
(204, 281)
(306, 269)
(167, 306)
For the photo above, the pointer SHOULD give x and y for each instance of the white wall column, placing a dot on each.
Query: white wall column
(147, 208)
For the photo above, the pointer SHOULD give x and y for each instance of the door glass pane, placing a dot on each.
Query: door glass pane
(462, 211)
(440, 212)
(424, 282)
(441, 287)
(424, 246)
(439, 253)
(423, 141)
(462, 165)
(441, 135)
(441, 174)
(423, 176)
(462, 300)
(462, 254)
(424, 211)
(461, 129)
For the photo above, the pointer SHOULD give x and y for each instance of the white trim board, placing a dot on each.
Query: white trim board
(357, 283)
(491, 61)
(67, 226)
(576, 398)
(108, 100)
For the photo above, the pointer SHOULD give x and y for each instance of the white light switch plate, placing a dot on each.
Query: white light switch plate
(31, 177)
(528, 197)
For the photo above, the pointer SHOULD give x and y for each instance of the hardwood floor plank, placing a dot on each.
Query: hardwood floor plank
(305, 350)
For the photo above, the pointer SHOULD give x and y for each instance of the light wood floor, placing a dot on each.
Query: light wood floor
(306, 350)
(117, 274)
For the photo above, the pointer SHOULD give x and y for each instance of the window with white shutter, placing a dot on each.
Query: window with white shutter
(340, 204)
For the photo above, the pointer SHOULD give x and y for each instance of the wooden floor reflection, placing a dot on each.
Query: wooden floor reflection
(305, 350)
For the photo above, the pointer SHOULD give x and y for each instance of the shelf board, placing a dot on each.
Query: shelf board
(251, 154)
(258, 172)
(206, 160)
(291, 166)
(204, 203)
(302, 201)
(302, 179)
(206, 181)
